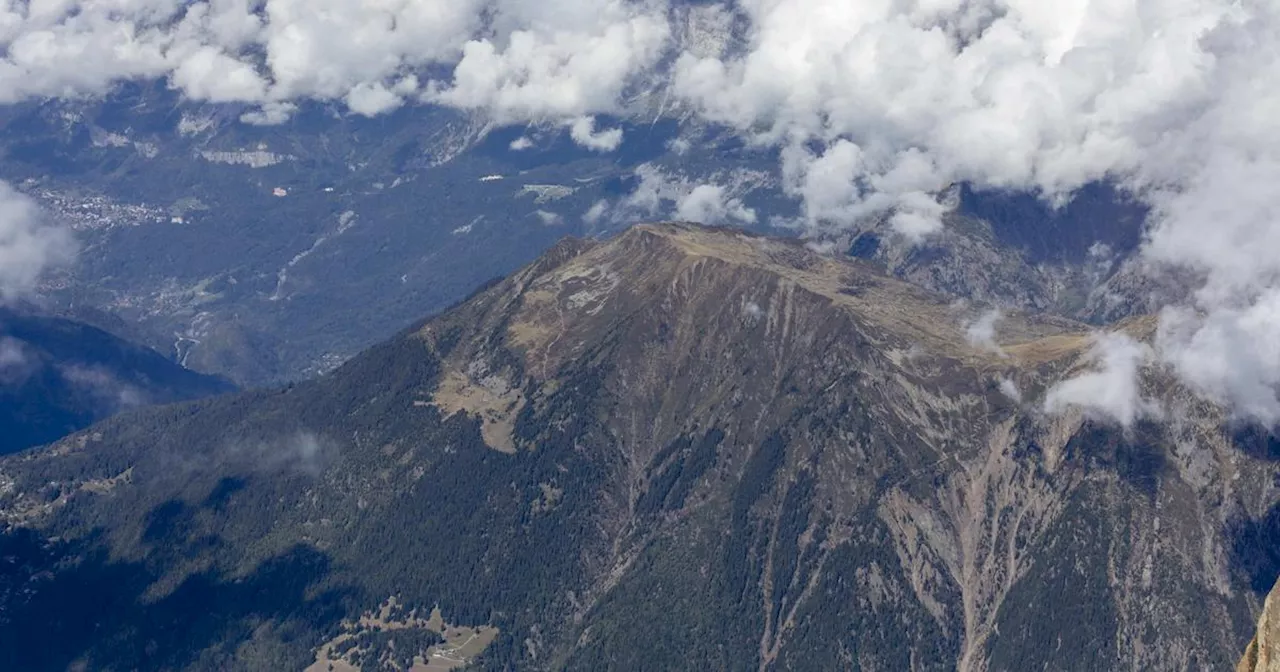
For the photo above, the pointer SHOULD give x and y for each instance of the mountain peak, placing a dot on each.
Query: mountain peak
(664, 264)
(683, 292)
(761, 455)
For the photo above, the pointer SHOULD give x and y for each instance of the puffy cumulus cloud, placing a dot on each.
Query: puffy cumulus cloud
(28, 244)
(1230, 354)
(658, 195)
(878, 106)
(652, 191)
(898, 98)
(328, 48)
(373, 99)
(557, 70)
(209, 74)
(844, 183)
(270, 114)
(708, 204)
(1217, 213)
(556, 60)
(903, 98)
(583, 131)
(1111, 391)
(597, 212)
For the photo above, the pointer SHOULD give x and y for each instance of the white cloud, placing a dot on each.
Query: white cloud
(29, 244)
(1230, 354)
(300, 451)
(370, 100)
(11, 352)
(562, 60)
(596, 212)
(707, 204)
(1010, 389)
(521, 143)
(1112, 391)
(583, 131)
(981, 333)
(210, 74)
(270, 114)
(653, 190)
(16, 364)
(662, 196)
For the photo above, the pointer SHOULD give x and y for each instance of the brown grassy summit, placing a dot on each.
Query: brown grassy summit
(667, 290)
(673, 264)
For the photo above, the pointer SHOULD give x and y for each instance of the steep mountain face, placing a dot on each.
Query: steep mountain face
(1013, 250)
(59, 375)
(684, 448)
(1261, 656)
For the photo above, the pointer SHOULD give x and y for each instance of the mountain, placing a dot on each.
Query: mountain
(681, 448)
(382, 220)
(59, 375)
(1014, 250)
(1261, 654)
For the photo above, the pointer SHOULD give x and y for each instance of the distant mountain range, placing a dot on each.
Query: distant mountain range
(682, 448)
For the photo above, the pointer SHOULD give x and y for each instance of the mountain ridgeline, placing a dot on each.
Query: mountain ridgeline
(59, 375)
(683, 448)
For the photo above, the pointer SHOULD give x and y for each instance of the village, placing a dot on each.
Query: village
(95, 212)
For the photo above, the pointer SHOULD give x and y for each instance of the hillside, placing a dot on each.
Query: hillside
(683, 448)
(59, 375)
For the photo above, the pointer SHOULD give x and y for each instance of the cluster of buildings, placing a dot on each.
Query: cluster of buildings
(95, 212)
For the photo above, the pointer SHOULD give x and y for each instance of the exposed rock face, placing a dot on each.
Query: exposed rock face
(1077, 260)
(691, 448)
(1263, 654)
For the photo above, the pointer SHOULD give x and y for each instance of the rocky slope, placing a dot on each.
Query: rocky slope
(684, 448)
(1261, 656)
(1013, 250)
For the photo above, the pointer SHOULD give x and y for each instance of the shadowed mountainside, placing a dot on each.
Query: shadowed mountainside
(59, 375)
